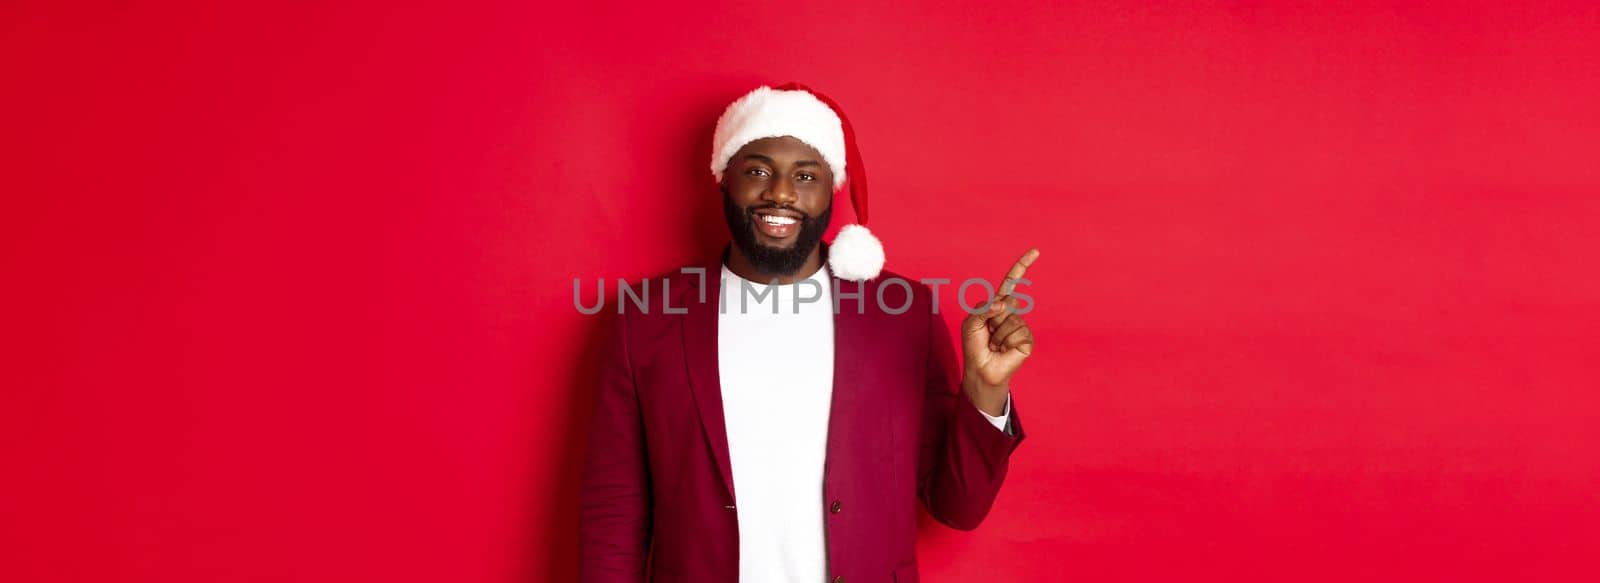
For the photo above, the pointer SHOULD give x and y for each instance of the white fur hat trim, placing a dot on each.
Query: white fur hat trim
(770, 113)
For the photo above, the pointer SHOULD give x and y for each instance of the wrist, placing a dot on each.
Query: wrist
(990, 399)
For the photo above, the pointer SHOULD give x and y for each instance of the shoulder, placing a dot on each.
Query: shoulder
(893, 301)
(651, 301)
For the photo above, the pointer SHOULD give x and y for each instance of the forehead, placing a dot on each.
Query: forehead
(784, 148)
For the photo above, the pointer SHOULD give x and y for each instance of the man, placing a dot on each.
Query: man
(782, 423)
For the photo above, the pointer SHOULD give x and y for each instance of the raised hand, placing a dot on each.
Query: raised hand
(996, 342)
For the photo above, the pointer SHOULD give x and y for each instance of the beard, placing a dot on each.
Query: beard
(767, 259)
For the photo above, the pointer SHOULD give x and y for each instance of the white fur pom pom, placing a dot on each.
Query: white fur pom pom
(855, 254)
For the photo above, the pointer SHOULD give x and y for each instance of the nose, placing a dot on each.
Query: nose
(780, 192)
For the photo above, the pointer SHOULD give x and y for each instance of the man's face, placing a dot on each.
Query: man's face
(777, 199)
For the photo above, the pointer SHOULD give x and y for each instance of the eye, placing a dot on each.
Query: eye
(807, 176)
(756, 171)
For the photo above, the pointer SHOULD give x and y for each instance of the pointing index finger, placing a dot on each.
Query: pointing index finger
(1018, 270)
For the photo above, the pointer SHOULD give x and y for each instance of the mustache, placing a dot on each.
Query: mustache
(778, 207)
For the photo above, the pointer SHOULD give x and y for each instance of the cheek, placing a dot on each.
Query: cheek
(816, 201)
(742, 194)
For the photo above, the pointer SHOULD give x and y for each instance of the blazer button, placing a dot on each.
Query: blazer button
(838, 579)
(836, 507)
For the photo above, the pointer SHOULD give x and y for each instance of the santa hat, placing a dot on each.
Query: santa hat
(795, 110)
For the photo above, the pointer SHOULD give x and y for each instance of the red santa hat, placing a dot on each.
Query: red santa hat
(795, 110)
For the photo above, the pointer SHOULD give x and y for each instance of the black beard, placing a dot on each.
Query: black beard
(773, 260)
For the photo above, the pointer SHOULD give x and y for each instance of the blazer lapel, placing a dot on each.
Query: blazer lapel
(700, 352)
(848, 359)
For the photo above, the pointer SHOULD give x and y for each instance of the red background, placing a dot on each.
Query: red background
(289, 287)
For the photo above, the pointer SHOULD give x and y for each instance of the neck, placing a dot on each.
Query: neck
(741, 266)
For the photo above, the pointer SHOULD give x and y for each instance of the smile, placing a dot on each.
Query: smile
(776, 226)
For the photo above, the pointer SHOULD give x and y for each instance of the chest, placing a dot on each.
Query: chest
(776, 370)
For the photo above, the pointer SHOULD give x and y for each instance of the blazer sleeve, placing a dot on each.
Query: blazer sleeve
(963, 457)
(615, 497)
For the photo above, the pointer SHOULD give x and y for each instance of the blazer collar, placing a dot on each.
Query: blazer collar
(700, 350)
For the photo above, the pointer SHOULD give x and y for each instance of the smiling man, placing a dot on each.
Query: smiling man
(777, 220)
(784, 425)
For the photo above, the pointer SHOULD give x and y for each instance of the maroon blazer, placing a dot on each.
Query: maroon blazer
(657, 485)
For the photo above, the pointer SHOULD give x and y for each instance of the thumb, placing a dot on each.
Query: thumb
(976, 322)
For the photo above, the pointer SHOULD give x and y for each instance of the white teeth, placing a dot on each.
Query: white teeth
(777, 220)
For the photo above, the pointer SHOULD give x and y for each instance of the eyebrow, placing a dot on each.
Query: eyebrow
(769, 160)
